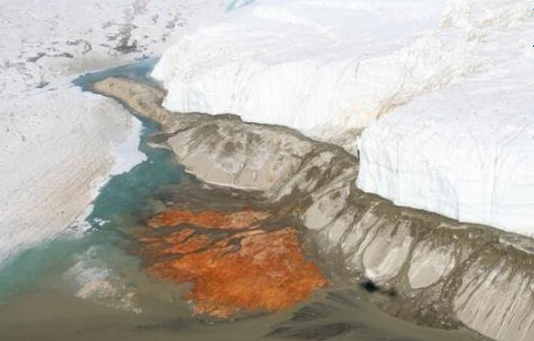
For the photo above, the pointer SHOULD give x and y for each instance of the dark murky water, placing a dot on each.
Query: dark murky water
(91, 287)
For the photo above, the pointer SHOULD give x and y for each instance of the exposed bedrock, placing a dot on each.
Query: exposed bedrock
(433, 270)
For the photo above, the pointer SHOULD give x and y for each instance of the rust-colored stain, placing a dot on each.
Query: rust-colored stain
(208, 219)
(247, 271)
(178, 242)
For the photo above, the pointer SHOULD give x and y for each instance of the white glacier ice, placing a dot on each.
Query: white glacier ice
(321, 66)
(446, 83)
(467, 151)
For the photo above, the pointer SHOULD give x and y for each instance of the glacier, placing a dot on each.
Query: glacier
(439, 88)
(319, 66)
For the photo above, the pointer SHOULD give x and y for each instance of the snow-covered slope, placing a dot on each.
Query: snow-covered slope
(453, 77)
(43, 40)
(54, 159)
(57, 144)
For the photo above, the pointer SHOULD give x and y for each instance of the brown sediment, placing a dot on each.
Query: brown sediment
(248, 271)
(178, 242)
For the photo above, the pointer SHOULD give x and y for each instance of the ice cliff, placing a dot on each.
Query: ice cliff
(445, 80)
(467, 151)
(318, 66)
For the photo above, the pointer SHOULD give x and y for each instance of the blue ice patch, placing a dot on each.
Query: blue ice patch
(238, 4)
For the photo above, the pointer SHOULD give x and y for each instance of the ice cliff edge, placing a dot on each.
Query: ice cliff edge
(444, 85)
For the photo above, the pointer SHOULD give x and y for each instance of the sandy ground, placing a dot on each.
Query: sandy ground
(334, 315)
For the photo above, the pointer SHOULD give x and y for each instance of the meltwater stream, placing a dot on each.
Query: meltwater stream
(124, 193)
(91, 286)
